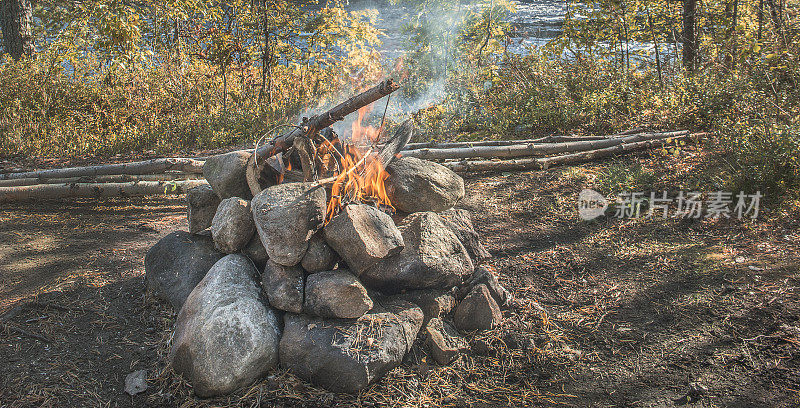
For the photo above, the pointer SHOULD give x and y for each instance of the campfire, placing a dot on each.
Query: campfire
(358, 248)
(333, 257)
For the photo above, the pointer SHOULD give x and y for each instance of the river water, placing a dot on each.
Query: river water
(534, 23)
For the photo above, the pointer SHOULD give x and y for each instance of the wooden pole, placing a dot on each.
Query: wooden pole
(541, 163)
(545, 139)
(72, 190)
(532, 149)
(142, 167)
(111, 178)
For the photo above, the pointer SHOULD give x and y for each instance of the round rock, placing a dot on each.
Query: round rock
(233, 225)
(226, 337)
(417, 185)
(336, 294)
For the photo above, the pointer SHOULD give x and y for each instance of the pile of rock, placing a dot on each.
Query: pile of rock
(265, 282)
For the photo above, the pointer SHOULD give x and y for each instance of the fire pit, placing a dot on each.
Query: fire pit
(329, 258)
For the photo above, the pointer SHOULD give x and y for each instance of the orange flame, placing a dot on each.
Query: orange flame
(361, 180)
(361, 132)
(358, 177)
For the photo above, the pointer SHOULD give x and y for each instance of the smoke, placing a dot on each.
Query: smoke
(426, 38)
(422, 38)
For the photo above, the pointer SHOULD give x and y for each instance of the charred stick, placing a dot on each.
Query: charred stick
(328, 118)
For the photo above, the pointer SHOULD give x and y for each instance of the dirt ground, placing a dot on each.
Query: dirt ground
(610, 313)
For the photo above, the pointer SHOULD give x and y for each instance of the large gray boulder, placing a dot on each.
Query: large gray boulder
(460, 222)
(176, 264)
(416, 185)
(226, 173)
(201, 205)
(433, 257)
(363, 235)
(287, 216)
(319, 256)
(284, 286)
(226, 337)
(336, 294)
(233, 225)
(348, 355)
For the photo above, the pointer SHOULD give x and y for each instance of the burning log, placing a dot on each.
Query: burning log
(151, 166)
(257, 169)
(533, 149)
(319, 122)
(574, 158)
(395, 145)
(53, 191)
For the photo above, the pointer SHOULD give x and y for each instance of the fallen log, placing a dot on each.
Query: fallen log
(54, 191)
(151, 166)
(545, 139)
(590, 155)
(542, 163)
(563, 139)
(111, 178)
(319, 122)
(532, 149)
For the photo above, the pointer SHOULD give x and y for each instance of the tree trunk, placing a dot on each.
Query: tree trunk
(655, 46)
(533, 149)
(15, 17)
(689, 35)
(760, 18)
(776, 15)
(547, 162)
(266, 61)
(627, 37)
(547, 139)
(731, 17)
(56, 191)
(735, 39)
(143, 167)
(111, 178)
